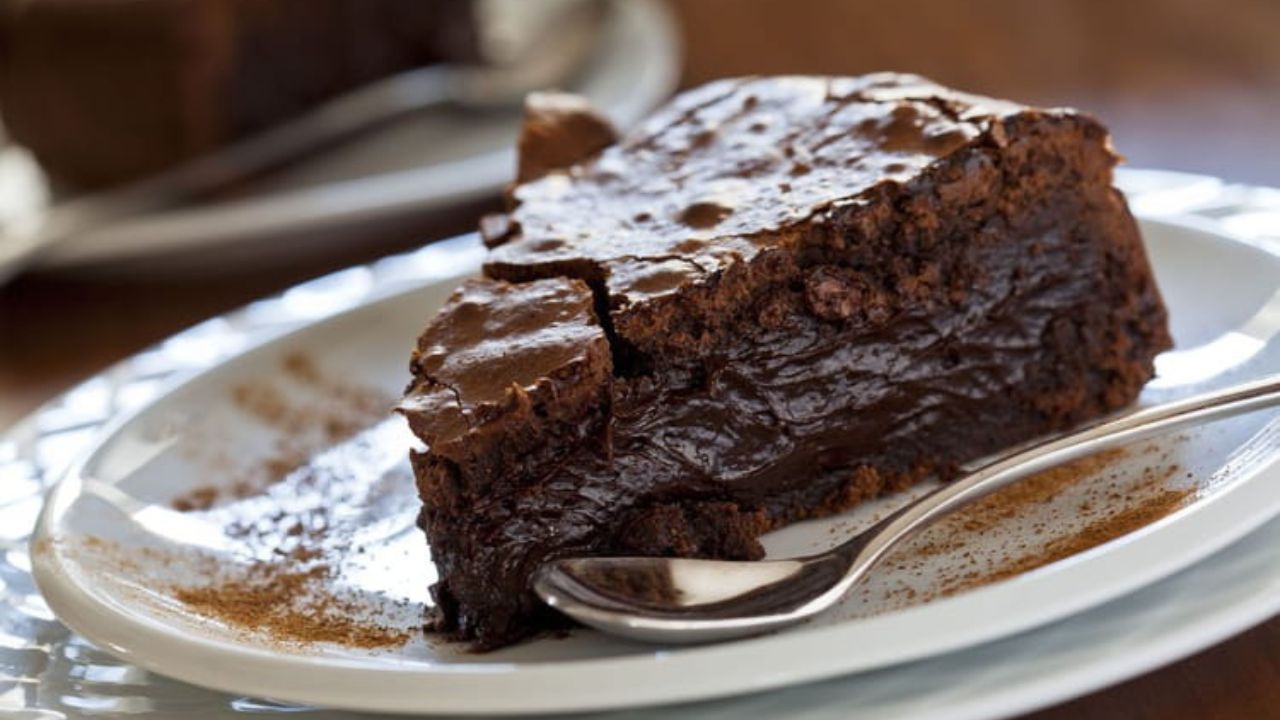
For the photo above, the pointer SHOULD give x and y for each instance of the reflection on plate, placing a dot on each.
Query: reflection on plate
(109, 523)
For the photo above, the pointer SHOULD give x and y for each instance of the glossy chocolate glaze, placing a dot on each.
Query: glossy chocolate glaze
(492, 342)
(964, 278)
(508, 376)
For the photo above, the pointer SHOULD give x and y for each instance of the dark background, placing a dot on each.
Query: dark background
(1184, 84)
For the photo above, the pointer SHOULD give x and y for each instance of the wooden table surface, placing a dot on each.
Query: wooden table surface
(1184, 84)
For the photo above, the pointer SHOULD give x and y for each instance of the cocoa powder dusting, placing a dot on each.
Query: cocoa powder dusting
(1009, 502)
(285, 581)
(202, 498)
(1112, 507)
(305, 426)
(287, 600)
(1122, 522)
(286, 575)
(1036, 522)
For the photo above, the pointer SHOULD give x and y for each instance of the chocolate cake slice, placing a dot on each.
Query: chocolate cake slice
(776, 298)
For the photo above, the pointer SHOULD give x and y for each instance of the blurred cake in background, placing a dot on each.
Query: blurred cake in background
(106, 91)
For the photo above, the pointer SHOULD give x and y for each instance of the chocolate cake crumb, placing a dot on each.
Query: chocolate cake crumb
(774, 299)
(559, 129)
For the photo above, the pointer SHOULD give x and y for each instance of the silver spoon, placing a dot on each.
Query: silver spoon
(677, 600)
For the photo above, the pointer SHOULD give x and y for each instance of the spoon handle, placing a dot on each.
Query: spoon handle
(866, 549)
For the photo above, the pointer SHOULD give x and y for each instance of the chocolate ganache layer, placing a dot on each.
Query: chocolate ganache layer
(774, 299)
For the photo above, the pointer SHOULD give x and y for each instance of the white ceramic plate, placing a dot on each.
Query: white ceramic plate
(1222, 295)
(415, 166)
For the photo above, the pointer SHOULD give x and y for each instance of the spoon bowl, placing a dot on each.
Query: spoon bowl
(656, 599)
